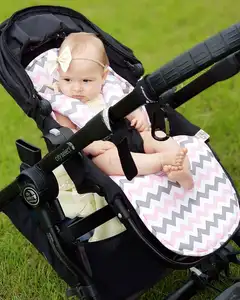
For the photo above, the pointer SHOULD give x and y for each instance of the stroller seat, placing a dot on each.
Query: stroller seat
(189, 223)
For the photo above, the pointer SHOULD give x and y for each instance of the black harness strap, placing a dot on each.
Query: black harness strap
(119, 138)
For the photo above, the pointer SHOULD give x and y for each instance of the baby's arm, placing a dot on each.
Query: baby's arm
(65, 122)
(96, 148)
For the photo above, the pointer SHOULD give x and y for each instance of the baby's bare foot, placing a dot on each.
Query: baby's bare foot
(179, 170)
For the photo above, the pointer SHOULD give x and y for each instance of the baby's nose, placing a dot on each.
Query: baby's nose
(77, 87)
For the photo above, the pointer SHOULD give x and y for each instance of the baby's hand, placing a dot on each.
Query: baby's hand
(139, 121)
(98, 147)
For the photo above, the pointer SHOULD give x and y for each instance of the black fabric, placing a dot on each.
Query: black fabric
(121, 266)
(24, 220)
(134, 139)
(179, 125)
(120, 137)
(127, 139)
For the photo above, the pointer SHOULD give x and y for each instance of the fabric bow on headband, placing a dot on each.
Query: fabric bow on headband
(64, 60)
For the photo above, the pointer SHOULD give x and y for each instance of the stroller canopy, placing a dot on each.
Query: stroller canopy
(31, 31)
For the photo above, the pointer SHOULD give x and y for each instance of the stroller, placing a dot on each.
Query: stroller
(125, 265)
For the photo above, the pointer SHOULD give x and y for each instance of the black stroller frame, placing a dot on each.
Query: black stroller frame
(36, 189)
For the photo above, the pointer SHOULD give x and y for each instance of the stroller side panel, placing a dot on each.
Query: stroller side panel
(121, 266)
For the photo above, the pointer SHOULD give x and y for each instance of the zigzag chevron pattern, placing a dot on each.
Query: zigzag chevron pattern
(206, 231)
(191, 223)
(40, 63)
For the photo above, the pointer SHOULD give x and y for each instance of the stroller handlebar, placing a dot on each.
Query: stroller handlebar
(195, 60)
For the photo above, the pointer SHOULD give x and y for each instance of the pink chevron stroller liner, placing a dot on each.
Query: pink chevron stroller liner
(189, 223)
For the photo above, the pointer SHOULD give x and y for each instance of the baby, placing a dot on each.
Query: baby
(83, 68)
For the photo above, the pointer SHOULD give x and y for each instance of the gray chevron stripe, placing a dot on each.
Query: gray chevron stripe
(206, 231)
(41, 63)
(53, 99)
(43, 89)
(151, 197)
(188, 140)
(200, 163)
(188, 209)
(127, 89)
(124, 181)
(74, 105)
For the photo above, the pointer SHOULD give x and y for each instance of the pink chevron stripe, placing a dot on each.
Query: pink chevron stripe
(138, 190)
(204, 211)
(185, 228)
(175, 196)
(175, 237)
(208, 176)
(159, 212)
(194, 153)
(207, 243)
(40, 80)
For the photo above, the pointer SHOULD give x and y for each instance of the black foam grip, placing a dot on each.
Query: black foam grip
(195, 60)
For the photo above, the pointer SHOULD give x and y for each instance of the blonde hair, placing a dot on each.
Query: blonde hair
(78, 43)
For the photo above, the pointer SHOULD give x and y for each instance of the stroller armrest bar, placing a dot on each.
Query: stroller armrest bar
(195, 60)
(141, 95)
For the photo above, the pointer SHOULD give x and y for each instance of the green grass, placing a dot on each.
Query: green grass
(157, 31)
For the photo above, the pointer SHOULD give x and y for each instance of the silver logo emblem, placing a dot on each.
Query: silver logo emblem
(31, 196)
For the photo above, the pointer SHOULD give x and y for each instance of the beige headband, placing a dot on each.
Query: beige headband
(65, 58)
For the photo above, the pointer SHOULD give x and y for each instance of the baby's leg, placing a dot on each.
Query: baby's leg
(153, 146)
(109, 162)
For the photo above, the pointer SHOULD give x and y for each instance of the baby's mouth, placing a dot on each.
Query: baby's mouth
(81, 97)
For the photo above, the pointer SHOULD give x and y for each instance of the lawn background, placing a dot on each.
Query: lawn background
(157, 31)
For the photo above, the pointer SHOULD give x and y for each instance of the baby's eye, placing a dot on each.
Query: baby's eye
(87, 80)
(67, 79)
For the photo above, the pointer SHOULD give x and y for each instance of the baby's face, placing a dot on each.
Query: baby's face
(83, 80)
